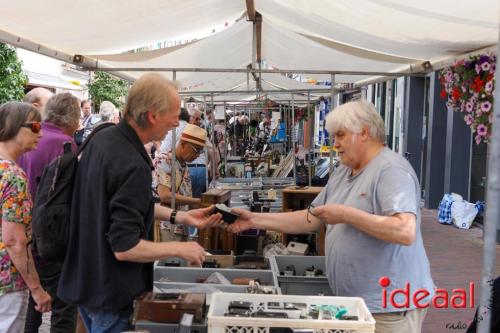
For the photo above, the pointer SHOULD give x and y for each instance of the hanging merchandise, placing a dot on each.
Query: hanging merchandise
(301, 177)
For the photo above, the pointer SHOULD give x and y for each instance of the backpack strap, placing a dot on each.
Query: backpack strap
(94, 131)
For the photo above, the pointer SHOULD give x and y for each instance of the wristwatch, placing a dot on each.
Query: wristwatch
(172, 216)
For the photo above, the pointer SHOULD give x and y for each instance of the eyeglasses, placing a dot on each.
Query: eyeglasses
(196, 150)
(35, 127)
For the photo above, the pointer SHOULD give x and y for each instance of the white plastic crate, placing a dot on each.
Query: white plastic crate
(218, 323)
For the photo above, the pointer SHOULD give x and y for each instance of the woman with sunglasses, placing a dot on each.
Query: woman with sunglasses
(20, 131)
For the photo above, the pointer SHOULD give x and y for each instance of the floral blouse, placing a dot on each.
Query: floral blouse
(15, 206)
(163, 175)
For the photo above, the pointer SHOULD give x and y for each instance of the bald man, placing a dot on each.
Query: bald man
(38, 97)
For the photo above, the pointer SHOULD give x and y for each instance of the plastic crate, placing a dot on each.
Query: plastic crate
(218, 323)
(153, 327)
(225, 261)
(191, 274)
(300, 284)
(208, 289)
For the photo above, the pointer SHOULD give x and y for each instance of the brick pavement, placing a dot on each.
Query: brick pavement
(456, 258)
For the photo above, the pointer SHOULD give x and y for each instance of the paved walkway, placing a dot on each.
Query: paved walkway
(456, 258)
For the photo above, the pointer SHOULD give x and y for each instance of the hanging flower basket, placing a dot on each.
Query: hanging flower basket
(468, 87)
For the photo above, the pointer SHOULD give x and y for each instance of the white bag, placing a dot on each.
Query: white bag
(463, 214)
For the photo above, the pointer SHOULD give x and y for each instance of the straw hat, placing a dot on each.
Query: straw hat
(194, 134)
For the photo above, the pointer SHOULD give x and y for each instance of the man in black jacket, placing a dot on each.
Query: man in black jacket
(113, 212)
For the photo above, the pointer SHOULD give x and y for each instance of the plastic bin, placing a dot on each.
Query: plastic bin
(300, 284)
(218, 323)
(208, 289)
(182, 278)
(191, 274)
(153, 327)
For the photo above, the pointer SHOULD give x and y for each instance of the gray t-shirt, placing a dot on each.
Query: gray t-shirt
(355, 261)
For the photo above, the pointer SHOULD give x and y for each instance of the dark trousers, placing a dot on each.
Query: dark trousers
(198, 179)
(63, 318)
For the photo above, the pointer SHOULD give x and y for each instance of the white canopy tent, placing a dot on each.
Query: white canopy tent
(341, 35)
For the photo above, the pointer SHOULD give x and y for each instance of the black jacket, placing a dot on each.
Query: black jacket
(112, 209)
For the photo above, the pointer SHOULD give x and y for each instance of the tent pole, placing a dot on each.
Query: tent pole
(492, 216)
(225, 142)
(311, 137)
(205, 150)
(94, 66)
(174, 160)
(294, 142)
(332, 101)
(212, 137)
(251, 92)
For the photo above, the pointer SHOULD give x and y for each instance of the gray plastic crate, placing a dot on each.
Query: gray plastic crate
(153, 327)
(191, 274)
(208, 289)
(300, 284)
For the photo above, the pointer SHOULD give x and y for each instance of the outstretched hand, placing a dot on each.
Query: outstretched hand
(192, 252)
(243, 222)
(199, 218)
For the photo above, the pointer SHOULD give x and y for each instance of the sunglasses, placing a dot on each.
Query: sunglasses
(35, 127)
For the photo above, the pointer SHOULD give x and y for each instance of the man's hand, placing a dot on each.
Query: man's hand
(199, 218)
(243, 223)
(192, 252)
(42, 300)
(329, 214)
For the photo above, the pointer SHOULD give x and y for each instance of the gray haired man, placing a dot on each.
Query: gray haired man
(371, 209)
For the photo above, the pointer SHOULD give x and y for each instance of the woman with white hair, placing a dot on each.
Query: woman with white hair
(371, 210)
(109, 113)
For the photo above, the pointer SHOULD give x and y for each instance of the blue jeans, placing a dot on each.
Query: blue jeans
(104, 321)
(198, 182)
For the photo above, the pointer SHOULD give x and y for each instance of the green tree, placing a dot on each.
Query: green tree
(12, 78)
(104, 87)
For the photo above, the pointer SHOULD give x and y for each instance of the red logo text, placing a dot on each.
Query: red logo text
(442, 299)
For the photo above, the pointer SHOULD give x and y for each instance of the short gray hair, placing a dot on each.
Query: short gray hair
(150, 92)
(353, 116)
(63, 110)
(107, 110)
(36, 94)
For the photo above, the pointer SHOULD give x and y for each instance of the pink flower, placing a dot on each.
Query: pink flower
(485, 106)
(468, 119)
(493, 67)
(478, 139)
(479, 112)
(478, 69)
(482, 130)
(485, 66)
(469, 106)
(488, 86)
(448, 76)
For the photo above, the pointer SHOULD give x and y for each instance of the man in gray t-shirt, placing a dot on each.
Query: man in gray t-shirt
(371, 209)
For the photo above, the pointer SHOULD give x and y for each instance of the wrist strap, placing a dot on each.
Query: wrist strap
(172, 216)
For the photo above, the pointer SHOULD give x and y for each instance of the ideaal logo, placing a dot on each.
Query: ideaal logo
(440, 300)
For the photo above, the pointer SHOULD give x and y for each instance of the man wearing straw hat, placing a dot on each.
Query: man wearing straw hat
(190, 146)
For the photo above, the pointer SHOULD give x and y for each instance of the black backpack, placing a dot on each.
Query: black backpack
(52, 208)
